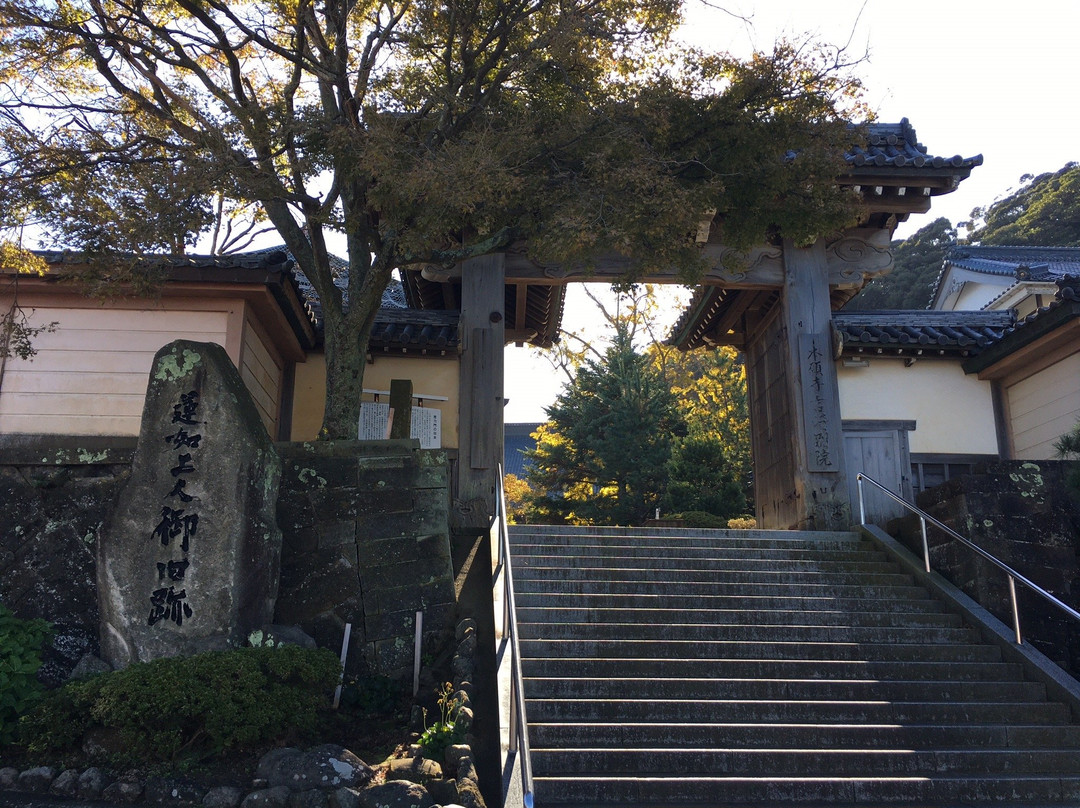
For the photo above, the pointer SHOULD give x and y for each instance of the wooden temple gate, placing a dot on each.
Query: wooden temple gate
(774, 303)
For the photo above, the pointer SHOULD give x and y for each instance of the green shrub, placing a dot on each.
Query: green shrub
(20, 659)
(703, 519)
(190, 707)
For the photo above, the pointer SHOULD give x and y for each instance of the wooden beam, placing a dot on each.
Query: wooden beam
(520, 305)
(480, 378)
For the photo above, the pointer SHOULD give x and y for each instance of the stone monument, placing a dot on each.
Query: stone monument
(190, 559)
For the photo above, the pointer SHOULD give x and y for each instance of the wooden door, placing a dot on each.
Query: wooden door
(880, 453)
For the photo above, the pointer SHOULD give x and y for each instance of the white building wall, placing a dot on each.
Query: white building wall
(953, 412)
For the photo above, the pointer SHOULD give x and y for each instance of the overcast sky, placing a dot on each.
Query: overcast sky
(991, 78)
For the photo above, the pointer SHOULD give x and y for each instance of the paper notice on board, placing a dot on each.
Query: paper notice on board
(426, 424)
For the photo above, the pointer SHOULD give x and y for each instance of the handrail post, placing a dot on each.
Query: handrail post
(1015, 610)
(925, 546)
(862, 504)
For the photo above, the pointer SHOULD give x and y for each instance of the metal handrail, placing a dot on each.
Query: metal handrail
(519, 727)
(1013, 575)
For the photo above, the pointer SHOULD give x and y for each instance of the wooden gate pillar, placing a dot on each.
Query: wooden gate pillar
(799, 474)
(480, 377)
(820, 483)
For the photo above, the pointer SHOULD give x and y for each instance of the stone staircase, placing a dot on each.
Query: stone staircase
(767, 667)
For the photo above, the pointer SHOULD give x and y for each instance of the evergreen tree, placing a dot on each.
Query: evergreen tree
(603, 457)
(701, 478)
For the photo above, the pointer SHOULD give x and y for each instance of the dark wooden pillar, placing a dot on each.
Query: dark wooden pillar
(480, 418)
(820, 479)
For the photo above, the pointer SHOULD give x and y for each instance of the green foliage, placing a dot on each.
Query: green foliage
(20, 658)
(602, 458)
(710, 386)
(702, 519)
(427, 132)
(1045, 212)
(189, 707)
(917, 264)
(372, 695)
(700, 478)
(445, 732)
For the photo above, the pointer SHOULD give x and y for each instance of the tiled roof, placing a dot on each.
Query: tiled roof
(1025, 263)
(274, 259)
(517, 439)
(1022, 263)
(897, 146)
(1044, 321)
(927, 333)
(399, 330)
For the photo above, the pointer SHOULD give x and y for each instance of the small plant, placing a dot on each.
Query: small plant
(20, 659)
(742, 523)
(189, 707)
(445, 732)
(1068, 448)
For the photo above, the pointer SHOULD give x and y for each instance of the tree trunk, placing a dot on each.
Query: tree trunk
(346, 355)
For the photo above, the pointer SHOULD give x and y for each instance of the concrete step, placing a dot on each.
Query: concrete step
(778, 651)
(746, 601)
(692, 590)
(759, 735)
(809, 791)
(741, 616)
(561, 687)
(796, 711)
(770, 669)
(585, 532)
(704, 549)
(738, 548)
(717, 668)
(535, 578)
(743, 633)
(796, 762)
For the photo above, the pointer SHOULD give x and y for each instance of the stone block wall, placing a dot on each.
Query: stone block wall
(366, 541)
(55, 496)
(1025, 514)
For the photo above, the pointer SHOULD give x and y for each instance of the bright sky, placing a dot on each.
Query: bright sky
(991, 78)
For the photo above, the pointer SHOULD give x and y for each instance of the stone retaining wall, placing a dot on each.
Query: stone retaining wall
(365, 540)
(1025, 514)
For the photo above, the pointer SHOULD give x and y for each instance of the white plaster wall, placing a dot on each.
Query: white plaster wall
(976, 295)
(953, 412)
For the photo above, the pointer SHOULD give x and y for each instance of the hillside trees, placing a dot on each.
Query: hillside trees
(416, 130)
(1044, 212)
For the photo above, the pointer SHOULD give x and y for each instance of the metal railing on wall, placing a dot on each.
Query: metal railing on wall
(1013, 575)
(518, 726)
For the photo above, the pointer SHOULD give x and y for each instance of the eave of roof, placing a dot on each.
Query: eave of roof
(272, 269)
(919, 332)
(1022, 263)
(1033, 327)
(411, 331)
